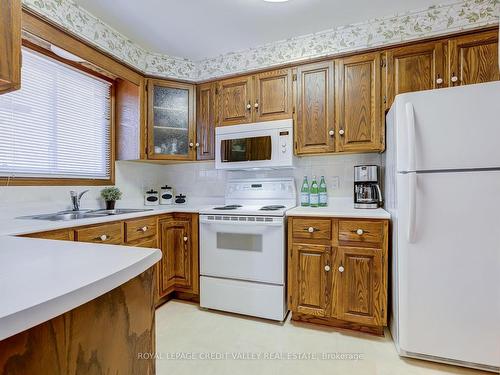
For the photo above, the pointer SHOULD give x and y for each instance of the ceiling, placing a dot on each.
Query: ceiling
(198, 29)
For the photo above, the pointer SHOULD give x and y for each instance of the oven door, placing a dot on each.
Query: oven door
(236, 248)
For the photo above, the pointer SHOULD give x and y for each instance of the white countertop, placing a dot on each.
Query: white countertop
(41, 279)
(340, 207)
(10, 224)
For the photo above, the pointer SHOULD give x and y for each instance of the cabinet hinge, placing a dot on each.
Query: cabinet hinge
(293, 109)
(382, 63)
(294, 77)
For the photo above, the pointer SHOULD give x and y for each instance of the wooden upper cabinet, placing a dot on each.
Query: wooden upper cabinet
(473, 58)
(311, 283)
(10, 45)
(205, 121)
(362, 292)
(273, 92)
(414, 68)
(315, 130)
(358, 103)
(235, 101)
(171, 124)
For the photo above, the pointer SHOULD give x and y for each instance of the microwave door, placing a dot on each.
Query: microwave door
(248, 149)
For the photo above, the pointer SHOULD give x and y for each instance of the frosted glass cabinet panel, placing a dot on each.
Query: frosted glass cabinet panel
(171, 121)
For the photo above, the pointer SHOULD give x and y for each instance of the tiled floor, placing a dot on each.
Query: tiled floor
(186, 331)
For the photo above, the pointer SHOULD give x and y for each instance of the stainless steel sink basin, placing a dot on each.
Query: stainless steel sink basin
(83, 214)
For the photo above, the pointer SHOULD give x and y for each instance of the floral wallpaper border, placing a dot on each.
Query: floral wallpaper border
(434, 21)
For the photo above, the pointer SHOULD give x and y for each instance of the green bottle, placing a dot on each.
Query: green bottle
(304, 193)
(323, 196)
(314, 196)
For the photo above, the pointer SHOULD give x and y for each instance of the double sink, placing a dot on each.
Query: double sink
(83, 214)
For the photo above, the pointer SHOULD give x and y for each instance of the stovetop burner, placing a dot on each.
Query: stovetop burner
(275, 207)
(228, 207)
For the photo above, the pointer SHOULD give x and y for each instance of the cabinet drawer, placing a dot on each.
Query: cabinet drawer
(152, 243)
(108, 233)
(139, 229)
(361, 231)
(318, 229)
(61, 235)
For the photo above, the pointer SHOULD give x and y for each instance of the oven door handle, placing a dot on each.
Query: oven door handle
(252, 223)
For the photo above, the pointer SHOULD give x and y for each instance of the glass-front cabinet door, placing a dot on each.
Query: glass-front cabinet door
(171, 127)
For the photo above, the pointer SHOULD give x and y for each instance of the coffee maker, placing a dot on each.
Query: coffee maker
(367, 192)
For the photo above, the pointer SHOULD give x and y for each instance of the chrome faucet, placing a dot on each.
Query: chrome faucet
(75, 199)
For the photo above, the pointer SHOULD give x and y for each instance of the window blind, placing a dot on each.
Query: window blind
(57, 125)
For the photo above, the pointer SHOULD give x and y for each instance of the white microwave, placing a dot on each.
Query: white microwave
(260, 145)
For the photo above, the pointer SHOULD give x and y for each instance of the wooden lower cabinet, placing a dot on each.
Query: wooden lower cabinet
(178, 241)
(10, 45)
(311, 284)
(340, 281)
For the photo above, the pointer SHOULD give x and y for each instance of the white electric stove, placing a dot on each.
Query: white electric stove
(243, 248)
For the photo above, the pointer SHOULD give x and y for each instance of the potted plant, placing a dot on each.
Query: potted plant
(110, 196)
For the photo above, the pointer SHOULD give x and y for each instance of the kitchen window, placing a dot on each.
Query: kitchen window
(57, 128)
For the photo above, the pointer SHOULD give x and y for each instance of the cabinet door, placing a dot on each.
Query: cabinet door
(10, 45)
(235, 101)
(177, 268)
(273, 92)
(414, 68)
(474, 59)
(170, 120)
(358, 105)
(362, 287)
(311, 281)
(205, 122)
(314, 129)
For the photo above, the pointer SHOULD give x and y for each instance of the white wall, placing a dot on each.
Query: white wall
(131, 177)
(200, 180)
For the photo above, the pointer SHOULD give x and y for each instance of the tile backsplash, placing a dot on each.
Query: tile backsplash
(203, 180)
(200, 180)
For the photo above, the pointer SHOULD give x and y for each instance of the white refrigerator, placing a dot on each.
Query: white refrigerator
(442, 188)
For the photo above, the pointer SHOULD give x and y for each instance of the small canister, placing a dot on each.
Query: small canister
(166, 195)
(151, 198)
(180, 199)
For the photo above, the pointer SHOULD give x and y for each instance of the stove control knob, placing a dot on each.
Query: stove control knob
(283, 150)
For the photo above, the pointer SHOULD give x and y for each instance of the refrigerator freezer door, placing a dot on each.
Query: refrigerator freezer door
(454, 128)
(449, 273)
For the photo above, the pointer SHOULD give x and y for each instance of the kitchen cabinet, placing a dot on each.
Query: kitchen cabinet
(171, 123)
(235, 101)
(358, 104)
(262, 97)
(314, 126)
(361, 292)
(205, 121)
(10, 45)
(310, 282)
(414, 68)
(111, 234)
(178, 241)
(473, 58)
(273, 95)
(337, 272)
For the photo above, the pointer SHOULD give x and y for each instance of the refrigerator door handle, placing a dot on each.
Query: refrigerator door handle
(412, 209)
(410, 118)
